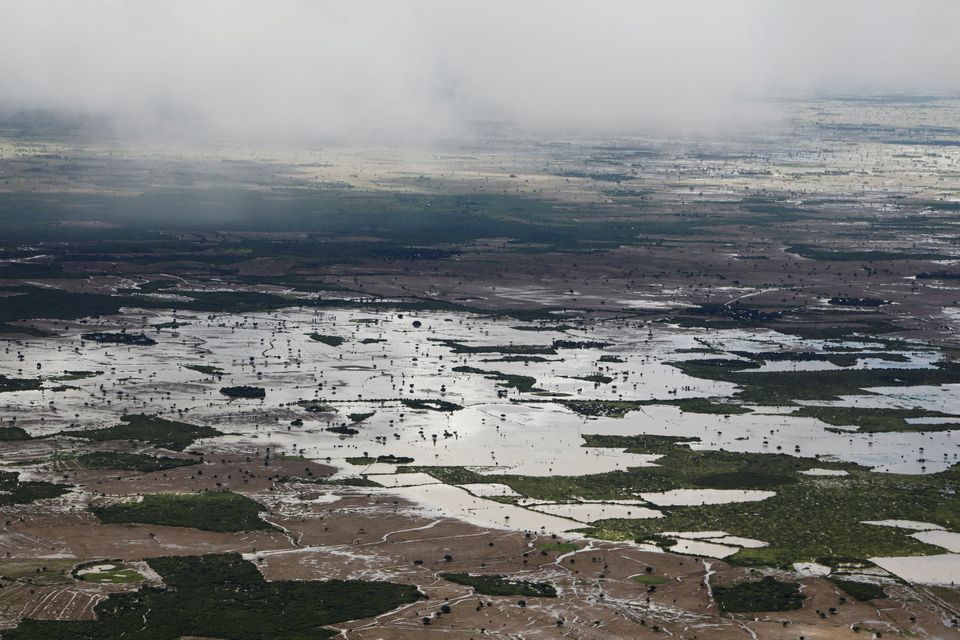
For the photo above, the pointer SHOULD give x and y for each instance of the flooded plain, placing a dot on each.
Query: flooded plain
(362, 400)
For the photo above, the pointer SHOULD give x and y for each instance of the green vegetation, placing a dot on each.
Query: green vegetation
(506, 349)
(18, 384)
(490, 585)
(360, 417)
(612, 359)
(244, 391)
(650, 580)
(524, 384)
(169, 325)
(69, 376)
(40, 571)
(767, 594)
(343, 430)
(810, 518)
(782, 387)
(620, 408)
(10, 434)
(312, 406)
(12, 491)
(874, 420)
(168, 434)
(847, 255)
(598, 378)
(134, 461)
(211, 511)
(330, 341)
(118, 573)
(223, 596)
(862, 591)
(205, 369)
(361, 461)
(136, 339)
(393, 459)
(840, 359)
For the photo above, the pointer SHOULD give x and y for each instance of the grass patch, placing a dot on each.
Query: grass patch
(873, 420)
(598, 378)
(210, 511)
(224, 596)
(244, 392)
(808, 518)
(782, 387)
(767, 594)
(69, 376)
(620, 408)
(330, 341)
(312, 406)
(18, 384)
(650, 580)
(840, 359)
(42, 571)
(862, 591)
(205, 369)
(117, 574)
(133, 339)
(490, 585)
(505, 349)
(109, 460)
(168, 434)
(12, 491)
(11, 434)
(524, 384)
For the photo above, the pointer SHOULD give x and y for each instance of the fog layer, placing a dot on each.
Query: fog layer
(359, 70)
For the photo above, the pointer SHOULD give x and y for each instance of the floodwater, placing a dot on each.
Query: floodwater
(386, 358)
(679, 497)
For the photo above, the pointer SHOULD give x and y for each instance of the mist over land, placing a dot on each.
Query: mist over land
(374, 71)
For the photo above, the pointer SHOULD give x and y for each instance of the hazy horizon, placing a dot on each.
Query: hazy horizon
(238, 69)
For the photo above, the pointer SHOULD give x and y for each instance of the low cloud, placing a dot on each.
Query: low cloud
(361, 70)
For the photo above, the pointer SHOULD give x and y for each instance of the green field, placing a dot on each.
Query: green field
(223, 596)
(167, 434)
(211, 511)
